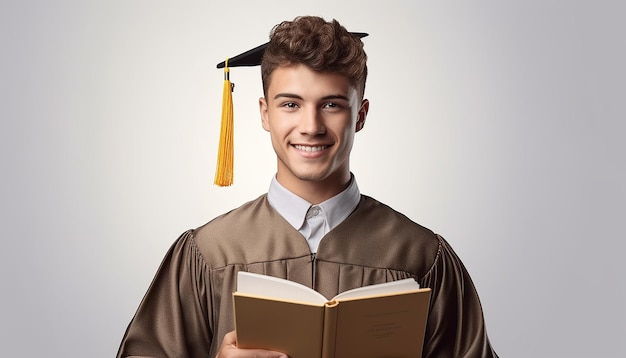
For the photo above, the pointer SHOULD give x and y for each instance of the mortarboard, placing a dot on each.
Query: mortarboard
(225, 163)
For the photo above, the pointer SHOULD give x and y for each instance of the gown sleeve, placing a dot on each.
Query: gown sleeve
(172, 319)
(455, 326)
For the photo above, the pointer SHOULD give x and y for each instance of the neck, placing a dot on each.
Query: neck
(315, 192)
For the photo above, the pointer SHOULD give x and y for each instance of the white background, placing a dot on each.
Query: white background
(497, 124)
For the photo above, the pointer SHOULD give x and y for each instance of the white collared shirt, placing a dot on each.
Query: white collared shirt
(313, 221)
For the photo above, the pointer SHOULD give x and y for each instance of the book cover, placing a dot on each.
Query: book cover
(386, 319)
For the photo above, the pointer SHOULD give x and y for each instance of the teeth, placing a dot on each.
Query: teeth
(308, 148)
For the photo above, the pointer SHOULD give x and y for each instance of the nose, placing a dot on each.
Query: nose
(311, 122)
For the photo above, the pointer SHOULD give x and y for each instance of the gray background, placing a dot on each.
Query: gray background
(497, 124)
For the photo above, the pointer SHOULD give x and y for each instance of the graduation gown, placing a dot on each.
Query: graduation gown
(188, 307)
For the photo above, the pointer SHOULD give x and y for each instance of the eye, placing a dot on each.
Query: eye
(332, 106)
(289, 105)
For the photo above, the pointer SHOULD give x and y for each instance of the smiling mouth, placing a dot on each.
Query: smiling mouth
(310, 148)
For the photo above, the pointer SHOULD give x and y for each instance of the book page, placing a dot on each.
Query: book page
(407, 284)
(273, 287)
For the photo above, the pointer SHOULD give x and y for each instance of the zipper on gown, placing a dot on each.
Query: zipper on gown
(313, 270)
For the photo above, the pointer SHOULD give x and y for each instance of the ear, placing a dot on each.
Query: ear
(362, 114)
(264, 113)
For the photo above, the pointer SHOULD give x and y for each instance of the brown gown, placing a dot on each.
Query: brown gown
(188, 307)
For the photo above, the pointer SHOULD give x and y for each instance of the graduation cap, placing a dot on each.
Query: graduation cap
(225, 163)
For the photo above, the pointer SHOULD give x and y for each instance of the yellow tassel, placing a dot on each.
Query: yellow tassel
(225, 153)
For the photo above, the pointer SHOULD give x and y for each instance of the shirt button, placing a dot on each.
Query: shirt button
(315, 211)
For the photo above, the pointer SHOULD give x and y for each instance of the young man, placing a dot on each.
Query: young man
(313, 226)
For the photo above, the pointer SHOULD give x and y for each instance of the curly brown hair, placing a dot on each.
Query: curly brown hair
(320, 45)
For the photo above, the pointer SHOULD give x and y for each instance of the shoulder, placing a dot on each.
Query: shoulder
(419, 244)
(379, 213)
(230, 224)
(239, 235)
(379, 236)
(209, 242)
(224, 224)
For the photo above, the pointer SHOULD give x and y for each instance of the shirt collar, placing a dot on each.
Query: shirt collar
(290, 206)
(294, 209)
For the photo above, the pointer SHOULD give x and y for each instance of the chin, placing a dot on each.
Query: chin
(313, 177)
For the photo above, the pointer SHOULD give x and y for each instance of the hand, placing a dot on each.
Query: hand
(229, 349)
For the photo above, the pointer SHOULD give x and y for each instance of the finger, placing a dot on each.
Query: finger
(234, 352)
(229, 350)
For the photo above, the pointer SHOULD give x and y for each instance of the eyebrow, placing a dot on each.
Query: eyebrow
(287, 95)
(325, 98)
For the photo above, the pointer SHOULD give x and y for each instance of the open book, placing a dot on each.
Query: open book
(383, 320)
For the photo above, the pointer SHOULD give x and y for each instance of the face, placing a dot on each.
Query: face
(312, 119)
